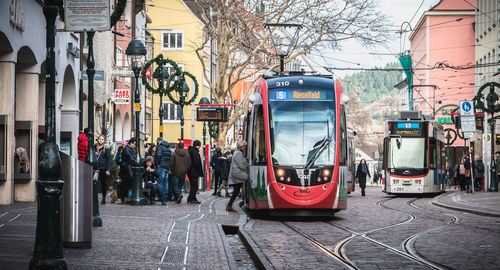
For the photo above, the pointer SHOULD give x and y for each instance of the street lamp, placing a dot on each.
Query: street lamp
(283, 38)
(160, 76)
(204, 100)
(136, 53)
(182, 95)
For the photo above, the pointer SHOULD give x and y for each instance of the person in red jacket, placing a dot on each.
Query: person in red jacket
(83, 144)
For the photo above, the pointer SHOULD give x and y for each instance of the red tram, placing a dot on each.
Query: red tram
(298, 146)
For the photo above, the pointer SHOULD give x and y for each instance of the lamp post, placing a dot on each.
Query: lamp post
(90, 157)
(48, 253)
(136, 52)
(204, 100)
(283, 38)
(182, 96)
(160, 75)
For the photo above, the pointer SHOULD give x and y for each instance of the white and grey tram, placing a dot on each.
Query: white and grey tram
(414, 161)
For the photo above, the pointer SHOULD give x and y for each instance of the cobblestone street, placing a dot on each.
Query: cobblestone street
(376, 232)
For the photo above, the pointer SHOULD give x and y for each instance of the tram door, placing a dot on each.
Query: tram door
(384, 163)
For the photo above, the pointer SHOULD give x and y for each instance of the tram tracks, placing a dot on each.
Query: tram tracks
(339, 251)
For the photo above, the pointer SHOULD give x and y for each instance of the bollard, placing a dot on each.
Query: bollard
(96, 217)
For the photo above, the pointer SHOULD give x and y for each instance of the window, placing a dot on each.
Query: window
(127, 81)
(171, 112)
(119, 57)
(259, 141)
(172, 40)
(343, 136)
(433, 153)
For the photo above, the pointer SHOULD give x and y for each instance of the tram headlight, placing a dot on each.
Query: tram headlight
(288, 179)
(280, 172)
(318, 179)
(326, 172)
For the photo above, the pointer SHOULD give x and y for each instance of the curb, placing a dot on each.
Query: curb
(467, 210)
(258, 257)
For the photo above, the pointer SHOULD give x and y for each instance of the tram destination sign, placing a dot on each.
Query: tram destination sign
(300, 94)
(406, 128)
(214, 114)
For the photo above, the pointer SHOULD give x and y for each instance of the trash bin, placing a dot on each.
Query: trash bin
(77, 203)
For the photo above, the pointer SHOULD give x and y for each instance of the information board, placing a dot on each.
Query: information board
(86, 15)
(214, 114)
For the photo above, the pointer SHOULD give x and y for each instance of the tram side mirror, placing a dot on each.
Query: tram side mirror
(398, 143)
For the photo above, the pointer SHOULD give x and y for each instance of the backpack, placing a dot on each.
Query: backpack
(118, 156)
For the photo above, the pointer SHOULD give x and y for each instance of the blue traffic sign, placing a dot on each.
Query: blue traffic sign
(466, 106)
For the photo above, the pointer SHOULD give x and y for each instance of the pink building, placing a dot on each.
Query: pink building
(442, 43)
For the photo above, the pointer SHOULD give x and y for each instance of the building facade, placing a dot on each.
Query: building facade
(22, 88)
(442, 46)
(177, 31)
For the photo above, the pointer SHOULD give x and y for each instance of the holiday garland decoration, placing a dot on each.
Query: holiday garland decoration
(478, 98)
(160, 63)
(175, 86)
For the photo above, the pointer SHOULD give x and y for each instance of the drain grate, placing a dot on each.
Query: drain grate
(177, 237)
(175, 255)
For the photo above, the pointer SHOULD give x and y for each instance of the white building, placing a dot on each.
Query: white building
(22, 92)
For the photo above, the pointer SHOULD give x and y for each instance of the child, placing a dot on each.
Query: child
(225, 162)
(149, 176)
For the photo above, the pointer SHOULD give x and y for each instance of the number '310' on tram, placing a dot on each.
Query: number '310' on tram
(297, 146)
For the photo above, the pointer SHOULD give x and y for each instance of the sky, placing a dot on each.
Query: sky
(353, 55)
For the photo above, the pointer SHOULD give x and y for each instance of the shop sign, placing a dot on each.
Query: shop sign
(122, 96)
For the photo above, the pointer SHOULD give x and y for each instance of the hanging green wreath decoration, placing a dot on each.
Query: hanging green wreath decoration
(160, 63)
(178, 89)
(478, 98)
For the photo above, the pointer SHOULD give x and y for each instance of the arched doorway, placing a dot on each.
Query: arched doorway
(26, 124)
(126, 126)
(118, 127)
(69, 114)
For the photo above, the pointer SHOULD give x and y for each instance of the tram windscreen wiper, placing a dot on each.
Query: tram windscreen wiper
(322, 145)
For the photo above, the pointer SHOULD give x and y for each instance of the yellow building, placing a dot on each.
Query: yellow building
(176, 31)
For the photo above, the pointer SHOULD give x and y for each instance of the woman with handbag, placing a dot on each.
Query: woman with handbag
(238, 173)
(103, 165)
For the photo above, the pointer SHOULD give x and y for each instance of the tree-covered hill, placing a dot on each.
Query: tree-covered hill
(373, 85)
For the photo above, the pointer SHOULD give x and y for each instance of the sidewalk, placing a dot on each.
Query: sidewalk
(176, 236)
(479, 203)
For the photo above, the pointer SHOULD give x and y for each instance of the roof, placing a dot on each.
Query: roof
(196, 9)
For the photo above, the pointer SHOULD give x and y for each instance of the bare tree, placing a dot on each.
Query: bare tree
(237, 30)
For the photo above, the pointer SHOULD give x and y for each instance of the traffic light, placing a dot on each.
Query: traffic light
(480, 122)
(456, 120)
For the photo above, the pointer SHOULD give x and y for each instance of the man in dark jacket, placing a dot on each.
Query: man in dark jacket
(179, 166)
(126, 172)
(195, 171)
(162, 160)
(215, 163)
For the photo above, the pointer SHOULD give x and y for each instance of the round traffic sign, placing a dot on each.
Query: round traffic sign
(466, 106)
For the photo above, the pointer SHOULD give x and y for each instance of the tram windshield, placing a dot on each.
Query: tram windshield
(407, 153)
(299, 132)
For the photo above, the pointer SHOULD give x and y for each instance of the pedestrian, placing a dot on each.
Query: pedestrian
(118, 154)
(375, 178)
(238, 173)
(361, 174)
(83, 144)
(149, 176)
(179, 166)
(454, 173)
(478, 173)
(461, 175)
(216, 167)
(162, 159)
(103, 165)
(225, 163)
(494, 180)
(126, 172)
(151, 151)
(468, 176)
(195, 171)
